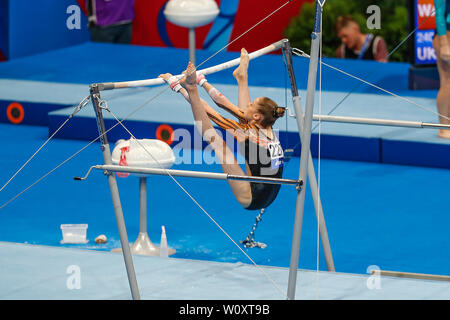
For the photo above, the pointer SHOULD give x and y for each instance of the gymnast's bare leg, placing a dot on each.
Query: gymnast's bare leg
(241, 76)
(228, 162)
(443, 97)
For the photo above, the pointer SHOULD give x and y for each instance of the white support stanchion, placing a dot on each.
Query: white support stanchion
(312, 179)
(305, 150)
(143, 245)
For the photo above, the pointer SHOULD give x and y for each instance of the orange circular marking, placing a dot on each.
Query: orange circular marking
(165, 133)
(15, 112)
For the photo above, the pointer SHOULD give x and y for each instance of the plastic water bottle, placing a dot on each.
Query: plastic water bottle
(163, 249)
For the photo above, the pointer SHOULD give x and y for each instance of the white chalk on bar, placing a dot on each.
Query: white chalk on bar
(213, 69)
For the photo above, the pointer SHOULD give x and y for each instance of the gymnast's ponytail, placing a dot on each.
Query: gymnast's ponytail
(278, 112)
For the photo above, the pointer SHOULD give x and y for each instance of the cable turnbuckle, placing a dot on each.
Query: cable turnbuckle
(81, 105)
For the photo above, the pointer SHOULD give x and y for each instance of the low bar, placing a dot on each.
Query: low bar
(213, 69)
(196, 174)
(380, 122)
(409, 275)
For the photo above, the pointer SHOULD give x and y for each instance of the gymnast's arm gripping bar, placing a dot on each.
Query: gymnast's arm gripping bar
(193, 174)
(213, 69)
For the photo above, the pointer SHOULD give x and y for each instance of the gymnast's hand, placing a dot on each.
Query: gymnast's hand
(165, 76)
(173, 82)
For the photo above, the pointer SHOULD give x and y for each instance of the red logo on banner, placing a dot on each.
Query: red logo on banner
(123, 161)
(425, 15)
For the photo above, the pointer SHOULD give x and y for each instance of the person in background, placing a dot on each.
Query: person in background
(441, 44)
(357, 45)
(110, 20)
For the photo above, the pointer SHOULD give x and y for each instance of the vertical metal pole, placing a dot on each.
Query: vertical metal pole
(95, 97)
(311, 172)
(305, 151)
(143, 205)
(192, 45)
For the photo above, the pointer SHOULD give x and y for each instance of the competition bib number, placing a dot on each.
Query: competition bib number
(276, 154)
(276, 151)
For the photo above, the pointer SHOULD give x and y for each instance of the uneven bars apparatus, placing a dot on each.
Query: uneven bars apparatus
(381, 122)
(192, 174)
(370, 121)
(109, 168)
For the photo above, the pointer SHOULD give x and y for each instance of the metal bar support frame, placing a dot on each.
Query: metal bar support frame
(126, 251)
(306, 170)
(310, 170)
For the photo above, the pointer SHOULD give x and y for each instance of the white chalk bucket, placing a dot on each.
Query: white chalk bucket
(142, 153)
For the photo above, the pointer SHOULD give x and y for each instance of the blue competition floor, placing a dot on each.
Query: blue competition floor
(49, 85)
(358, 142)
(391, 216)
(395, 217)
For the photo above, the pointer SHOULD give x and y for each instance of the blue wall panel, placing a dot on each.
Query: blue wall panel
(38, 26)
(416, 153)
(4, 30)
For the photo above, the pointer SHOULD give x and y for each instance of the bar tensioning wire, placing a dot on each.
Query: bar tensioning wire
(388, 56)
(80, 150)
(199, 205)
(159, 93)
(152, 98)
(109, 86)
(80, 106)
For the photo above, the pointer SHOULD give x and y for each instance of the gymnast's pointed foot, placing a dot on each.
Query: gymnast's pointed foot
(443, 133)
(241, 71)
(191, 77)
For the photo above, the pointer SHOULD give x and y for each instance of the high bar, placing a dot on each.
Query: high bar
(157, 81)
(380, 122)
(194, 174)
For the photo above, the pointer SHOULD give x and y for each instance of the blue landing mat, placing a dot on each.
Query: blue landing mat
(40, 272)
(89, 63)
(39, 98)
(392, 216)
(58, 79)
(100, 62)
(338, 141)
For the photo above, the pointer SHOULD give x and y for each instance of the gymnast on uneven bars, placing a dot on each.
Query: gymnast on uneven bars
(257, 141)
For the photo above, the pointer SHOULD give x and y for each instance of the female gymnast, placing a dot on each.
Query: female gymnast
(441, 45)
(257, 141)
